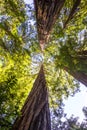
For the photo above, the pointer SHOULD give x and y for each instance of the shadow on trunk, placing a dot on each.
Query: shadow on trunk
(80, 76)
(35, 114)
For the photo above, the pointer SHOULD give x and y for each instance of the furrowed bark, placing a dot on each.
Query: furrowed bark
(47, 12)
(35, 114)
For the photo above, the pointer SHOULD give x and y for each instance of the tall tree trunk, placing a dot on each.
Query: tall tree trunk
(35, 114)
(47, 12)
(80, 76)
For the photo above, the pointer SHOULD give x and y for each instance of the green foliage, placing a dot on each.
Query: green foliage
(15, 83)
(13, 8)
(12, 14)
(59, 82)
(16, 78)
(21, 58)
(65, 45)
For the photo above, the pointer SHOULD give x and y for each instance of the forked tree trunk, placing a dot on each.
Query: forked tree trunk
(35, 112)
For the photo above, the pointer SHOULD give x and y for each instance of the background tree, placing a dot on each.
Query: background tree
(61, 122)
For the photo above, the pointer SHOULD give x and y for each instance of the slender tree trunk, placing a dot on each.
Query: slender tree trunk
(35, 114)
(81, 77)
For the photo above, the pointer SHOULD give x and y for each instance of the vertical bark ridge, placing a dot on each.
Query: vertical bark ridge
(47, 12)
(35, 114)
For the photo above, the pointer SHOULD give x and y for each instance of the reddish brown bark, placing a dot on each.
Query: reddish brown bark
(47, 11)
(35, 114)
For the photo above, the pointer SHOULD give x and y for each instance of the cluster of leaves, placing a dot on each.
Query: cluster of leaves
(12, 18)
(60, 83)
(16, 79)
(19, 47)
(15, 83)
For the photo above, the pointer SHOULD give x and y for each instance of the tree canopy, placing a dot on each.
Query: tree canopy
(64, 56)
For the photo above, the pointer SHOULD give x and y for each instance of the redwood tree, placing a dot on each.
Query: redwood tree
(35, 114)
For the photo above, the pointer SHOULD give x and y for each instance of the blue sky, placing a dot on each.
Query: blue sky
(73, 105)
(28, 1)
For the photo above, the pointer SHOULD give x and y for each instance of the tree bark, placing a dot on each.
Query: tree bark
(47, 12)
(80, 76)
(35, 114)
